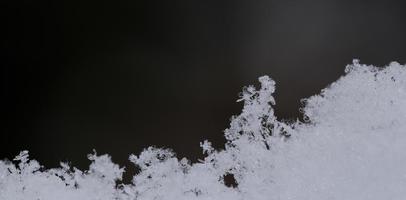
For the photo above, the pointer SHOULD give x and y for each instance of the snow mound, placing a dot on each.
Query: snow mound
(351, 146)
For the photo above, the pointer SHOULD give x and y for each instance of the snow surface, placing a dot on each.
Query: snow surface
(351, 147)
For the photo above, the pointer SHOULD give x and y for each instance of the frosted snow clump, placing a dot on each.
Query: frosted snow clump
(351, 146)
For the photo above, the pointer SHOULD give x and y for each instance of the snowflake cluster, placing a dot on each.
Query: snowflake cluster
(351, 146)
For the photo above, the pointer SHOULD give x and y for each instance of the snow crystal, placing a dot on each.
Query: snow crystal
(351, 146)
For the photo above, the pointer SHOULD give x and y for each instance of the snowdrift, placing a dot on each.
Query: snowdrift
(352, 146)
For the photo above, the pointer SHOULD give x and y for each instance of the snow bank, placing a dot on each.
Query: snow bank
(352, 146)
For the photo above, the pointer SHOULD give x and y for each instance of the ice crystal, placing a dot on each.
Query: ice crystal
(351, 146)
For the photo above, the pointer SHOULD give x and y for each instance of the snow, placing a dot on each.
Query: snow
(352, 146)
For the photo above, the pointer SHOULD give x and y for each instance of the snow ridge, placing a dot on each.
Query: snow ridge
(352, 146)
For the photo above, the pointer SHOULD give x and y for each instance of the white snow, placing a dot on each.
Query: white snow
(351, 147)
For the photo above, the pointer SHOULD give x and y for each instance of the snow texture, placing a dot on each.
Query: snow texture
(351, 146)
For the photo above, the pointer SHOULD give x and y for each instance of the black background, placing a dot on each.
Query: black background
(119, 76)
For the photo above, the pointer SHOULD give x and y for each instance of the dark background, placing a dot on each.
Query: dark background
(119, 76)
